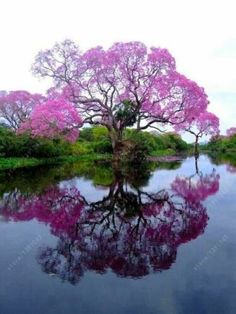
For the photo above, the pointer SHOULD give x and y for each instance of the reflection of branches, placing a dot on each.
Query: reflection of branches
(231, 168)
(130, 231)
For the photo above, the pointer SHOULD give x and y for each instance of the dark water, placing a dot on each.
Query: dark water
(83, 239)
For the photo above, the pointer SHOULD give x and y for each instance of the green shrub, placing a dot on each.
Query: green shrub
(13, 145)
(102, 146)
(86, 134)
(221, 144)
(154, 144)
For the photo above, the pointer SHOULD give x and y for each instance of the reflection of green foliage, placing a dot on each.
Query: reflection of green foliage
(21, 162)
(139, 175)
(99, 172)
(103, 176)
(223, 158)
(169, 165)
(222, 149)
(36, 179)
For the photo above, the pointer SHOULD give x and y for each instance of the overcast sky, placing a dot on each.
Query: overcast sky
(200, 34)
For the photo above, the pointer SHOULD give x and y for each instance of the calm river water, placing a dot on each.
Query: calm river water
(82, 239)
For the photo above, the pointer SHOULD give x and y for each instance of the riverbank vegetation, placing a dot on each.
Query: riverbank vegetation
(221, 145)
(22, 150)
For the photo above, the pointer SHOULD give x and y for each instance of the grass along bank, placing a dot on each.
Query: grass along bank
(22, 162)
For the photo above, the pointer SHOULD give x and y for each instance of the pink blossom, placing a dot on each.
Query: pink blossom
(53, 118)
(98, 81)
(231, 131)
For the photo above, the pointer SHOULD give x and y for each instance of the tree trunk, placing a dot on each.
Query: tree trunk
(116, 137)
(196, 151)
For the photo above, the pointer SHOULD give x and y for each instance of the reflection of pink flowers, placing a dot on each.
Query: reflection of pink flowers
(59, 208)
(196, 189)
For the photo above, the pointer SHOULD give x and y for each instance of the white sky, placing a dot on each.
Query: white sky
(200, 34)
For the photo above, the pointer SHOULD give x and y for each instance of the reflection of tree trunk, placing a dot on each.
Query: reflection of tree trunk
(196, 164)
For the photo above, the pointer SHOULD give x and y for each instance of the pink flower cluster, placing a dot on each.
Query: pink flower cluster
(231, 131)
(53, 118)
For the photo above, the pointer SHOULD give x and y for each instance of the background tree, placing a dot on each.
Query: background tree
(231, 131)
(16, 106)
(206, 123)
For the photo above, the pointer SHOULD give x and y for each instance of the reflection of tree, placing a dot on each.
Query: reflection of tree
(130, 231)
(227, 159)
(231, 168)
(100, 172)
(60, 208)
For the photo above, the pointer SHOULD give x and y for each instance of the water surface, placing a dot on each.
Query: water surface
(82, 238)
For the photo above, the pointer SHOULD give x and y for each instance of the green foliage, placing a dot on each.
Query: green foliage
(81, 148)
(86, 134)
(102, 147)
(91, 134)
(221, 144)
(126, 113)
(157, 144)
(93, 140)
(13, 145)
(100, 133)
(143, 140)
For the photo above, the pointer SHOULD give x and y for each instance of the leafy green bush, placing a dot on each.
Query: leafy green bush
(86, 134)
(91, 134)
(102, 146)
(13, 145)
(221, 144)
(154, 144)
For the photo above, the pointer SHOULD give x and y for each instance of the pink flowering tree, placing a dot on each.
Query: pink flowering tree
(16, 106)
(231, 131)
(206, 123)
(52, 119)
(125, 85)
